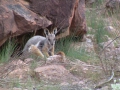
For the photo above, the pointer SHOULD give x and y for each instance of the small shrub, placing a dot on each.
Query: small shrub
(116, 85)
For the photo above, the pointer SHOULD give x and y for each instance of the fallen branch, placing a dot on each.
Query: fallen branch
(104, 83)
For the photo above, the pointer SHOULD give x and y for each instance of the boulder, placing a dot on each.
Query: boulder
(78, 24)
(16, 19)
(66, 15)
(54, 74)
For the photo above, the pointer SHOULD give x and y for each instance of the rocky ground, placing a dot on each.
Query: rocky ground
(69, 74)
(63, 75)
(99, 72)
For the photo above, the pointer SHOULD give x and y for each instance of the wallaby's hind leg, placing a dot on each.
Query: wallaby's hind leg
(36, 51)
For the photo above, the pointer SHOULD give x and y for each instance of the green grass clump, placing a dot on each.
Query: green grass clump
(97, 23)
(80, 54)
(73, 51)
(7, 50)
(63, 44)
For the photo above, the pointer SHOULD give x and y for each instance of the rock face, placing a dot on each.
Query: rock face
(78, 25)
(18, 17)
(66, 15)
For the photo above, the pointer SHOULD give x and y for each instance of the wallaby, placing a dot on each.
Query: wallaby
(44, 44)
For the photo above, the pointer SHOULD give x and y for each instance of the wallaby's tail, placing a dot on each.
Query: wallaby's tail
(22, 51)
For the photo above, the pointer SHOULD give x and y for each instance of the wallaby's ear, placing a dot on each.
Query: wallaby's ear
(55, 30)
(46, 31)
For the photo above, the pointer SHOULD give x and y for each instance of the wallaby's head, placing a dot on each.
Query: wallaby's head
(50, 36)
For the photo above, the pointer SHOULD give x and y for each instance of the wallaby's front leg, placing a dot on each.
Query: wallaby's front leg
(45, 51)
(52, 51)
(46, 54)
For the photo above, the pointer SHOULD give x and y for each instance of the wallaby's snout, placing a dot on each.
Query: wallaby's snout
(51, 39)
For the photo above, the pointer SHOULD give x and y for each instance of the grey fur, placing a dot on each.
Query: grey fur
(33, 41)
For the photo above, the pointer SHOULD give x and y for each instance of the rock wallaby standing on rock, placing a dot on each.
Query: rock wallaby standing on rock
(44, 44)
